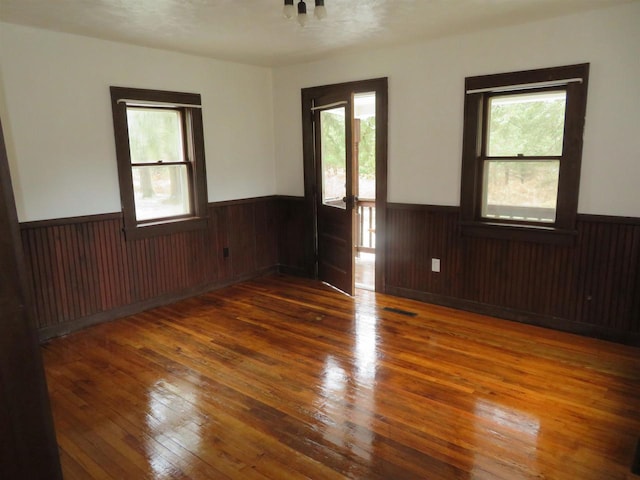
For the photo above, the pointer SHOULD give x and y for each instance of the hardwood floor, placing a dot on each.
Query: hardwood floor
(285, 378)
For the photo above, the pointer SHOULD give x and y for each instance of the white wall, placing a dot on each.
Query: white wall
(56, 114)
(426, 90)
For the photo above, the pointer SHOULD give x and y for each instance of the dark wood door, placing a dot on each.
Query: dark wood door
(27, 440)
(335, 199)
(330, 232)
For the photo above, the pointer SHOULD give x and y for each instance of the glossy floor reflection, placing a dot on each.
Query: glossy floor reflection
(285, 378)
(366, 271)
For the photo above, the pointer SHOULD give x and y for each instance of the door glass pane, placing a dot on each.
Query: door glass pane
(334, 157)
(530, 124)
(364, 105)
(526, 190)
(155, 135)
(161, 191)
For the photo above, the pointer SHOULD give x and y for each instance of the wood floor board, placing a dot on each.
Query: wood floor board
(186, 433)
(179, 364)
(281, 377)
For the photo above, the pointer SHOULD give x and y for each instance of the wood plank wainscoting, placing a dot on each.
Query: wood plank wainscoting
(591, 288)
(285, 378)
(83, 271)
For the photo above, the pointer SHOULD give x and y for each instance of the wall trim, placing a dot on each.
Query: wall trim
(585, 217)
(100, 217)
(425, 207)
(55, 222)
(66, 328)
(553, 323)
(242, 201)
(294, 198)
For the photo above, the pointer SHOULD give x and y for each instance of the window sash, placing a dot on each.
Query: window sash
(185, 134)
(188, 184)
(486, 117)
(192, 191)
(520, 205)
(482, 207)
(571, 78)
(184, 130)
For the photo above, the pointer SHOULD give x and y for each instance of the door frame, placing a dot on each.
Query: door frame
(380, 87)
(27, 433)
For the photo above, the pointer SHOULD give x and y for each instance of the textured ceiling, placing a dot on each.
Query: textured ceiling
(254, 31)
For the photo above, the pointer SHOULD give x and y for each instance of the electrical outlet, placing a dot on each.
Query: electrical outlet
(435, 264)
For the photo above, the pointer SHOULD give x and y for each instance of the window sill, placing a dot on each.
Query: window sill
(522, 233)
(147, 230)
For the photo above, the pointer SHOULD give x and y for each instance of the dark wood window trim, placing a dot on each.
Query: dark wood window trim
(189, 105)
(477, 89)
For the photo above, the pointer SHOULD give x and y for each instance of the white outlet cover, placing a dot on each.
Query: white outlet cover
(435, 264)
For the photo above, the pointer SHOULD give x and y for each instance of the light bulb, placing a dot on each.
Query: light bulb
(320, 11)
(288, 11)
(302, 13)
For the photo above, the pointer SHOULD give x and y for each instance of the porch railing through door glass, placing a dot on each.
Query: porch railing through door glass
(366, 220)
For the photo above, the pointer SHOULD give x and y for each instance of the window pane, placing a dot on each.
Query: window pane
(530, 124)
(155, 135)
(334, 157)
(161, 191)
(526, 190)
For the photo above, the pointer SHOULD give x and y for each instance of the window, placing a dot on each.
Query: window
(161, 166)
(333, 140)
(522, 148)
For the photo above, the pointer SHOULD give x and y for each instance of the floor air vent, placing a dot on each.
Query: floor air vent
(401, 312)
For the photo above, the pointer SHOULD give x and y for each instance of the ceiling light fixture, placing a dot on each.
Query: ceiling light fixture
(289, 10)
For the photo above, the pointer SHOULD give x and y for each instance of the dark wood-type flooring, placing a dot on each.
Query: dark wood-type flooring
(285, 378)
